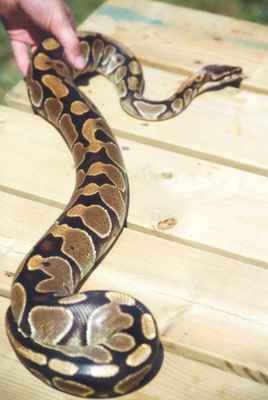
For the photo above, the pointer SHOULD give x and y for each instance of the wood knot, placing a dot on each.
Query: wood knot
(167, 223)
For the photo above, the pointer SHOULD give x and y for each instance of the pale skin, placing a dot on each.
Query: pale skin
(26, 20)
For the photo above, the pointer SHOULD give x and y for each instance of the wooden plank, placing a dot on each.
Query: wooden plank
(196, 202)
(203, 304)
(227, 127)
(179, 39)
(178, 375)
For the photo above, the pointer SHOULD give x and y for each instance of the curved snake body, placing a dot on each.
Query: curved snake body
(97, 343)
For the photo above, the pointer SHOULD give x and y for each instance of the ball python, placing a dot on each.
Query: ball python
(100, 343)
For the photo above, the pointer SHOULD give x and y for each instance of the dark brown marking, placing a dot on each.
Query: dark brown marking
(68, 129)
(53, 108)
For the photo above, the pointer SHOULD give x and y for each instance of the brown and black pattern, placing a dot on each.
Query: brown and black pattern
(98, 343)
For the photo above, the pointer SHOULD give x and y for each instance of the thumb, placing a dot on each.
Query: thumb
(20, 51)
(66, 35)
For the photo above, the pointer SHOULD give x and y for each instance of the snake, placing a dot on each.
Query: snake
(96, 343)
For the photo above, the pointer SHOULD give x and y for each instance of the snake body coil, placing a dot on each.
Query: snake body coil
(97, 343)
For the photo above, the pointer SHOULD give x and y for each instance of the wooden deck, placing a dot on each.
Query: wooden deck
(195, 250)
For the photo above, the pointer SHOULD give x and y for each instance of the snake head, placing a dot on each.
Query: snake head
(215, 77)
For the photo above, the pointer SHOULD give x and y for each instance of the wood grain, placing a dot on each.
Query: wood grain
(198, 37)
(212, 207)
(195, 249)
(203, 304)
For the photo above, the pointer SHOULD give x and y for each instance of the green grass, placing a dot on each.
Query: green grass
(256, 11)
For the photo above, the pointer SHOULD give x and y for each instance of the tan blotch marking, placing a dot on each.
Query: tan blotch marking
(68, 129)
(112, 172)
(120, 298)
(79, 107)
(133, 83)
(151, 111)
(78, 245)
(91, 188)
(42, 62)
(74, 299)
(113, 151)
(121, 342)
(80, 177)
(78, 151)
(50, 324)
(132, 381)
(177, 105)
(122, 88)
(94, 217)
(85, 48)
(106, 321)
(60, 274)
(56, 85)
(34, 262)
(134, 68)
(24, 352)
(115, 61)
(96, 353)
(97, 53)
(40, 376)
(103, 371)
(88, 130)
(18, 301)
(139, 356)
(187, 96)
(109, 194)
(53, 108)
(127, 105)
(108, 52)
(36, 92)
(50, 44)
(63, 367)
(60, 279)
(112, 197)
(148, 326)
(72, 387)
(119, 74)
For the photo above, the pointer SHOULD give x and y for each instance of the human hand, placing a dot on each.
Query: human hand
(25, 20)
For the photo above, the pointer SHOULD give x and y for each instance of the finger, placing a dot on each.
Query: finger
(21, 55)
(68, 39)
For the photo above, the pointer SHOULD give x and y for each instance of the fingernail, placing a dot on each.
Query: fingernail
(79, 62)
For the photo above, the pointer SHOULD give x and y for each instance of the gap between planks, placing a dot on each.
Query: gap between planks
(209, 148)
(212, 359)
(247, 84)
(244, 370)
(203, 36)
(144, 229)
(190, 379)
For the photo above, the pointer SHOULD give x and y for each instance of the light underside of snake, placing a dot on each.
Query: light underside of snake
(97, 343)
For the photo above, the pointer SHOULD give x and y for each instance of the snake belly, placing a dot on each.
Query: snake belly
(96, 343)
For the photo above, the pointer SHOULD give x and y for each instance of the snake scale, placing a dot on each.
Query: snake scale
(97, 343)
